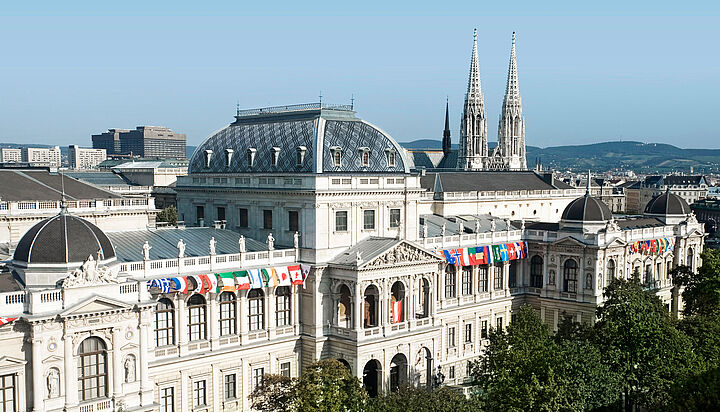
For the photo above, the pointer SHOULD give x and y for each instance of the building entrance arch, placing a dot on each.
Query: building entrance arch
(372, 373)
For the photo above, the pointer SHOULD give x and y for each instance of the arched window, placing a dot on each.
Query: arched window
(164, 323)
(424, 299)
(397, 307)
(228, 303)
(197, 318)
(610, 271)
(256, 312)
(345, 308)
(450, 273)
(570, 276)
(92, 369)
(536, 271)
(690, 258)
(282, 306)
(371, 310)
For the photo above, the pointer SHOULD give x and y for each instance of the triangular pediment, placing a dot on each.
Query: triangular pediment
(617, 242)
(52, 359)
(568, 241)
(129, 346)
(96, 304)
(402, 253)
(9, 362)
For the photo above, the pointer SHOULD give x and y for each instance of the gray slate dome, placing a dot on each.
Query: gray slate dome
(587, 209)
(63, 239)
(667, 204)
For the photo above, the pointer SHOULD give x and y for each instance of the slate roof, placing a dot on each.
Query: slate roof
(36, 185)
(100, 178)
(667, 204)
(486, 181)
(432, 159)
(317, 127)
(63, 239)
(639, 223)
(369, 248)
(452, 224)
(128, 244)
(674, 180)
(586, 209)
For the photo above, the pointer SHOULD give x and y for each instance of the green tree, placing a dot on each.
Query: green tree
(639, 342)
(276, 394)
(414, 399)
(328, 386)
(169, 215)
(701, 294)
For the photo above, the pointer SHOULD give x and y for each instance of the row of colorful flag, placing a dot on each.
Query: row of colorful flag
(660, 245)
(5, 321)
(483, 255)
(232, 281)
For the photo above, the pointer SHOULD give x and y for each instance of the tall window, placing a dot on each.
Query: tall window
(512, 274)
(499, 322)
(243, 217)
(8, 396)
(484, 330)
(536, 271)
(92, 369)
(164, 323)
(498, 277)
(227, 313)
(341, 221)
(337, 157)
(293, 221)
(197, 311)
(468, 332)
(267, 219)
(200, 213)
(451, 337)
(394, 217)
(167, 399)
(285, 369)
(391, 158)
(450, 291)
(466, 284)
(230, 386)
(282, 306)
(256, 311)
(482, 279)
(257, 377)
(365, 157)
(221, 213)
(199, 394)
(610, 271)
(570, 276)
(368, 219)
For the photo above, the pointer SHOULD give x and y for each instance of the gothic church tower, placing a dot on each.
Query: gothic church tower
(473, 130)
(511, 130)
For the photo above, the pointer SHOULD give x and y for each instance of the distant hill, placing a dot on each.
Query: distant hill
(638, 156)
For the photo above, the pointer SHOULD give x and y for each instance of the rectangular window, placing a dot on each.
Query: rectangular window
(230, 386)
(468, 332)
(293, 221)
(483, 279)
(167, 399)
(468, 368)
(450, 283)
(498, 277)
(341, 221)
(199, 398)
(466, 280)
(221, 213)
(8, 396)
(257, 377)
(285, 369)
(368, 219)
(394, 217)
(499, 321)
(267, 219)
(200, 213)
(451, 337)
(484, 330)
(243, 217)
(451, 373)
(282, 306)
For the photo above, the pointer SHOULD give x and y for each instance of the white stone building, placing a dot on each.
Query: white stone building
(42, 156)
(10, 155)
(85, 158)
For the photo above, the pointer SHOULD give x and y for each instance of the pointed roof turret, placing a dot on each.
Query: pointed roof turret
(512, 89)
(474, 91)
(446, 142)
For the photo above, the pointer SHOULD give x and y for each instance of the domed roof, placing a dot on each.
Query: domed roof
(587, 209)
(63, 239)
(667, 204)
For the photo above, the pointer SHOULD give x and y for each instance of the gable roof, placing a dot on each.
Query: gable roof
(372, 248)
(486, 181)
(34, 185)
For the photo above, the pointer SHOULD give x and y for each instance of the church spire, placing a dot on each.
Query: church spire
(511, 130)
(473, 129)
(446, 142)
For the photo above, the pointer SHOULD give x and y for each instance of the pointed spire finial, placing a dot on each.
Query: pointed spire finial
(352, 101)
(475, 34)
(513, 38)
(587, 191)
(63, 200)
(237, 108)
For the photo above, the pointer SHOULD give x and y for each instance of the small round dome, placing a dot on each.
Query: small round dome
(587, 209)
(63, 239)
(667, 204)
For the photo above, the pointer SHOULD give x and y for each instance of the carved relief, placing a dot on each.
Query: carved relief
(400, 254)
(89, 274)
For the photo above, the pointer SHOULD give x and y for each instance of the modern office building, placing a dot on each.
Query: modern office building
(85, 158)
(143, 141)
(10, 155)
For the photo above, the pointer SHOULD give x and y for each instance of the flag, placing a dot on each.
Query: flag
(305, 271)
(512, 254)
(255, 279)
(397, 311)
(449, 258)
(496, 253)
(242, 279)
(654, 245)
(525, 248)
(265, 274)
(227, 282)
(164, 285)
(283, 275)
(458, 255)
(296, 274)
(520, 249)
(504, 252)
(5, 321)
(209, 282)
(199, 287)
(180, 284)
(472, 258)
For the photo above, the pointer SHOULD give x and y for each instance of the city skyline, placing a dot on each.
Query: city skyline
(625, 74)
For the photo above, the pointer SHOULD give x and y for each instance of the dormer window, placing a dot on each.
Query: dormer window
(208, 157)
(251, 156)
(390, 154)
(228, 156)
(336, 155)
(275, 155)
(301, 150)
(364, 156)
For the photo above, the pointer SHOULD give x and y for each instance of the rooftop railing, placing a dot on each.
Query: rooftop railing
(293, 108)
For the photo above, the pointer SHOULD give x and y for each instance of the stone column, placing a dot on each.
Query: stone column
(117, 365)
(181, 322)
(145, 384)
(71, 390)
(357, 313)
(213, 319)
(506, 277)
(271, 315)
(295, 302)
(39, 387)
(243, 317)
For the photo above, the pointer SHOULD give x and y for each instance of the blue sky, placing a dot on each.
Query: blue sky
(644, 71)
